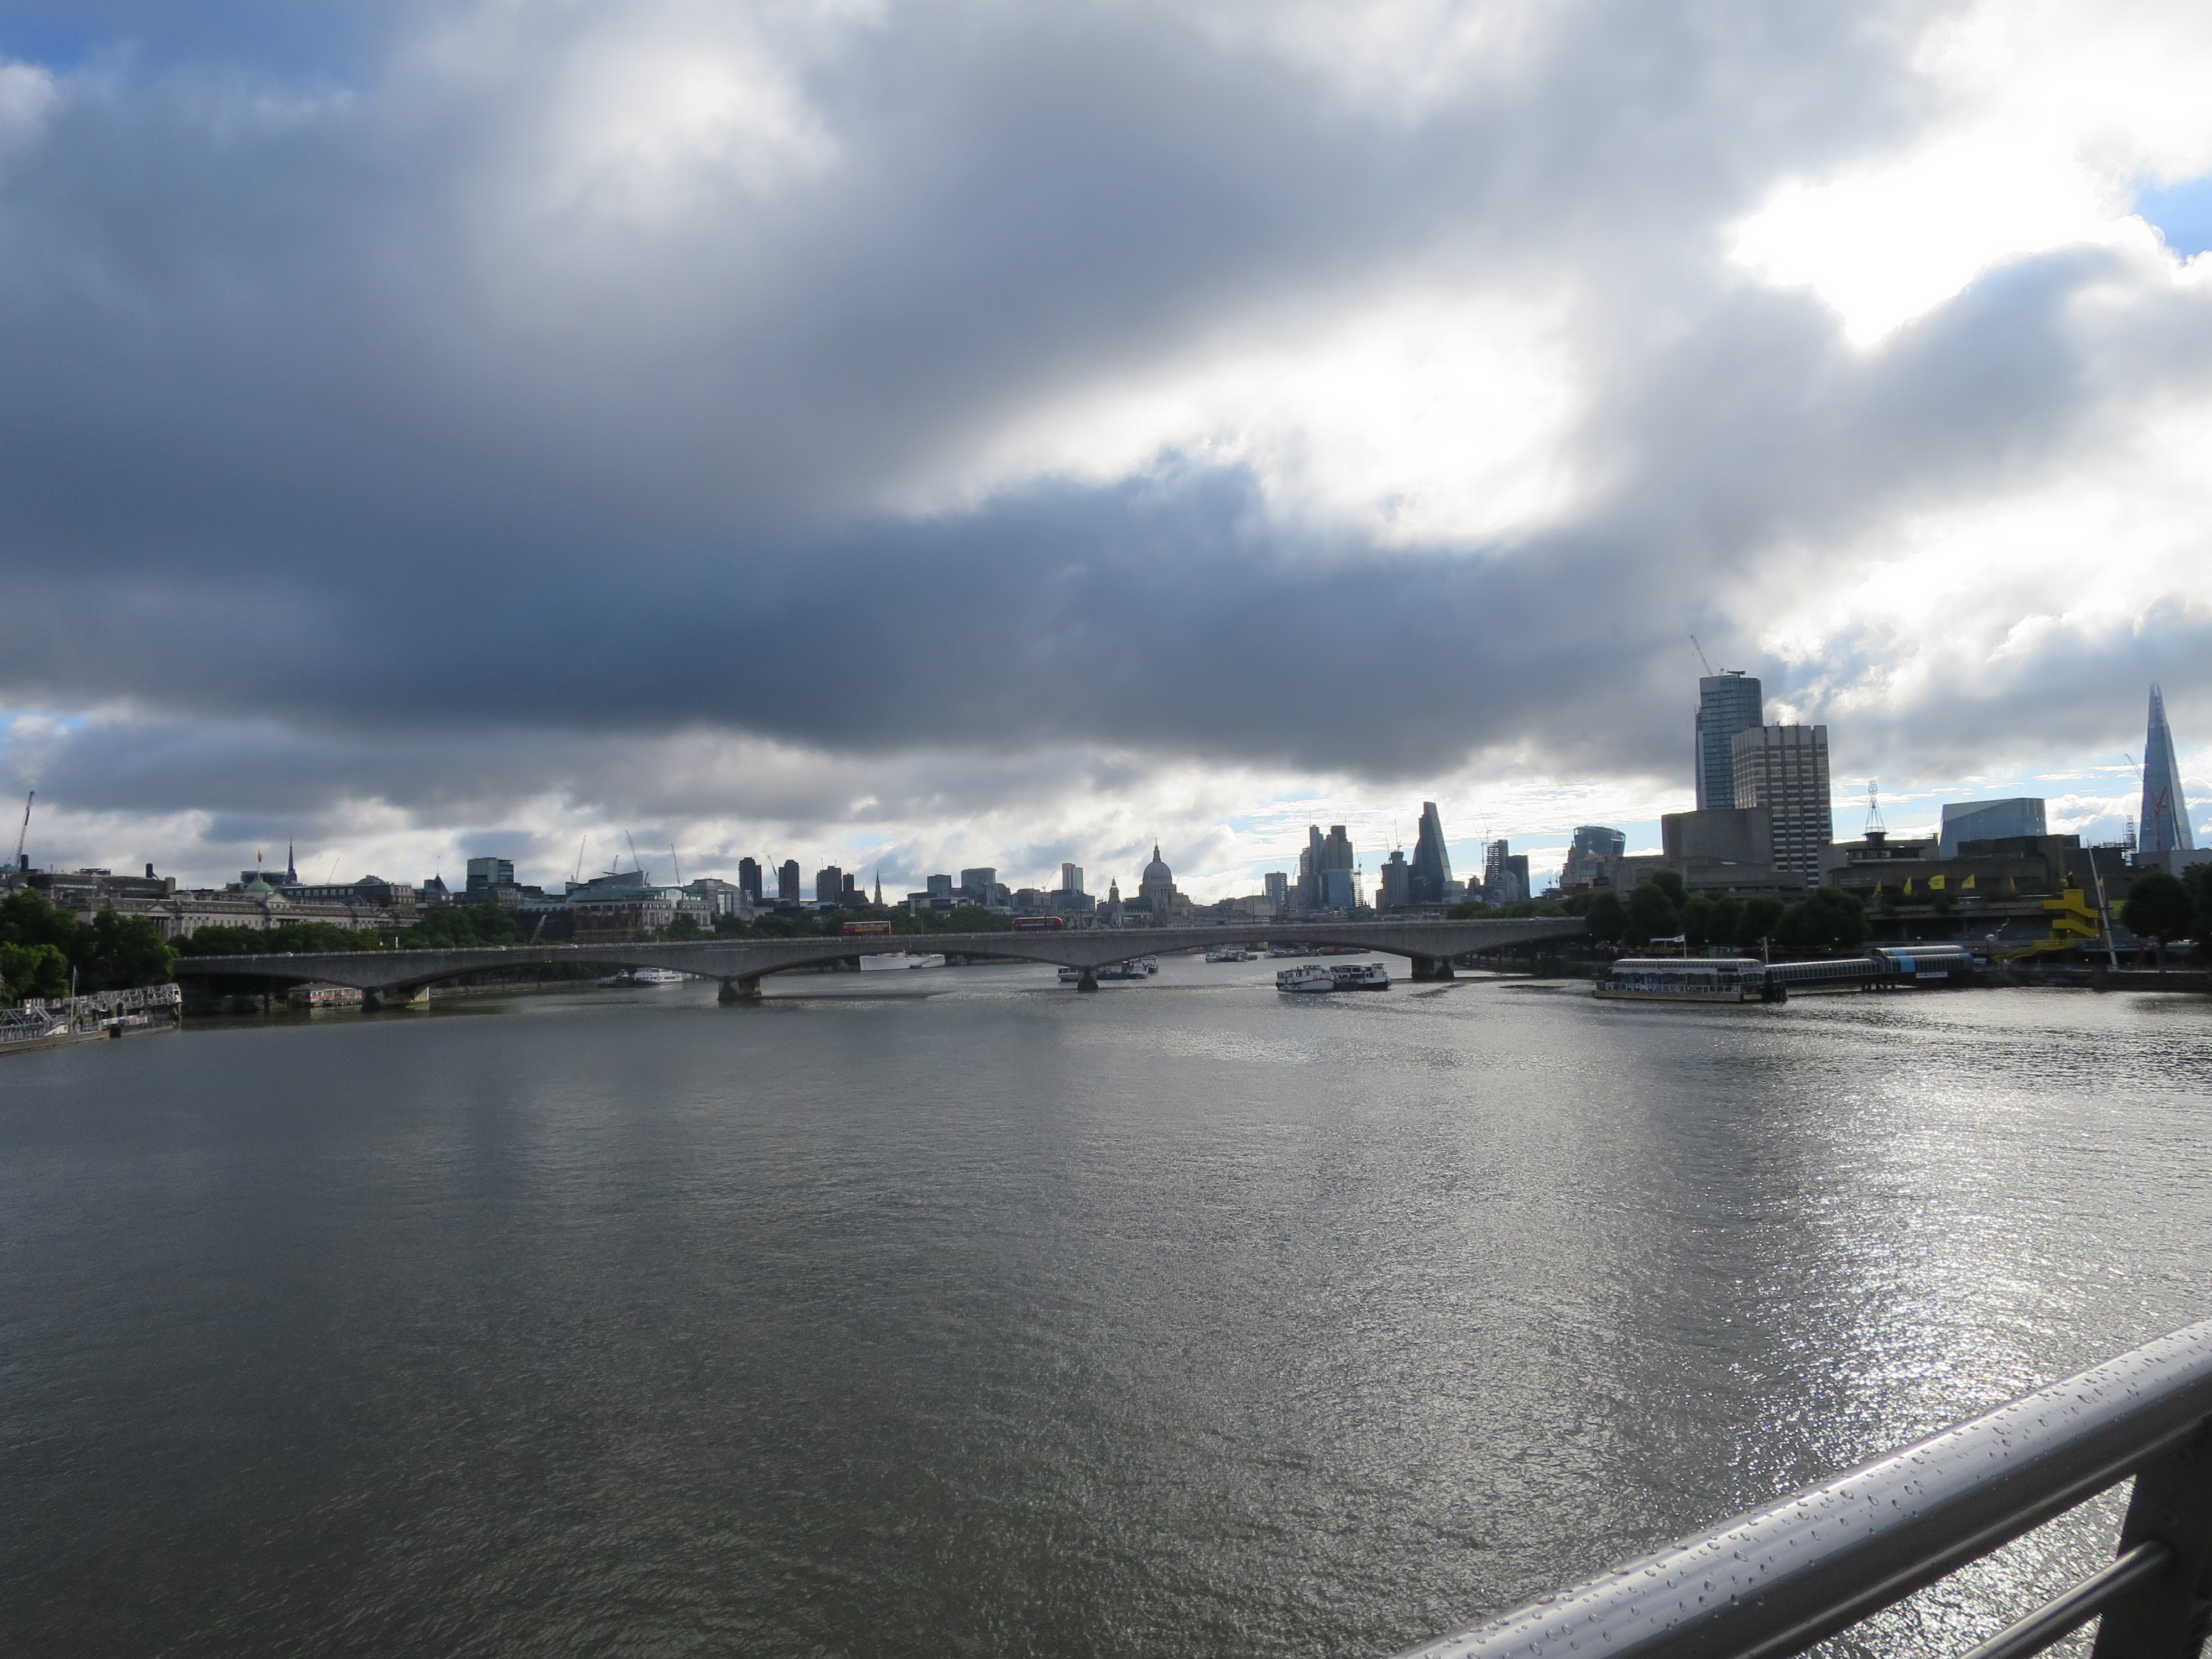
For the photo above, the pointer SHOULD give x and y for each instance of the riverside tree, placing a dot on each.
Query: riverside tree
(1828, 918)
(111, 953)
(1651, 913)
(2159, 908)
(1755, 922)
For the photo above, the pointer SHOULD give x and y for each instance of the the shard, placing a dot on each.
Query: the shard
(2165, 808)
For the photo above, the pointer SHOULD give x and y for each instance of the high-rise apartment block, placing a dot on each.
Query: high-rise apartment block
(1784, 768)
(2165, 808)
(1727, 704)
(1070, 878)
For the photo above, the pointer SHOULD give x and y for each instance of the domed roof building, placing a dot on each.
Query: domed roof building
(1155, 891)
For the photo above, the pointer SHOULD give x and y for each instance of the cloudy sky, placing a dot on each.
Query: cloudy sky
(934, 433)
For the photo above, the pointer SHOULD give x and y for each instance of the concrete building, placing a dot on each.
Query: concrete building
(2165, 806)
(1885, 871)
(1432, 872)
(1727, 704)
(1988, 820)
(1736, 834)
(1784, 768)
(1275, 885)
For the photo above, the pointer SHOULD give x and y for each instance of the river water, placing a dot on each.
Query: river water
(953, 1313)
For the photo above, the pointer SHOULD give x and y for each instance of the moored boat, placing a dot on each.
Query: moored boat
(1684, 979)
(892, 961)
(1310, 977)
(1361, 976)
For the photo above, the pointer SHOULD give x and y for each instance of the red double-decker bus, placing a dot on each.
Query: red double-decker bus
(865, 927)
(1033, 924)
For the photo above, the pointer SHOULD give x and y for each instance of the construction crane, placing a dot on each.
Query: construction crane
(1700, 650)
(22, 835)
(636, 863)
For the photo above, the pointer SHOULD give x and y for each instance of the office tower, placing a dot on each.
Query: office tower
(1784, 768)
(940, 887)
(1988, 820)
(2165, 808)
(1727, 704)
(1593, 844)
(1275, 884)
(979, 882)
(1336, 850)
(1494, 868)
(1394, 883)
(1070, 878)
(749, 880)
(1431, 864)
(1309, 860)
(786, 883)
(1339, 888)
(829, 885)
(854, 895)
(484, 873)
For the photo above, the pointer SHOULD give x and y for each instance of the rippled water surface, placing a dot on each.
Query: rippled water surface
(963, 1314)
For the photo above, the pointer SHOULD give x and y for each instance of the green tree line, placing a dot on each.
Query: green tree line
(44, 950)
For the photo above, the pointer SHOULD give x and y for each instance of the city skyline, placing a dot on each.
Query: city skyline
(704, 500)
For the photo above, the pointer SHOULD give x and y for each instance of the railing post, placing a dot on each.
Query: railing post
(2167, 1618)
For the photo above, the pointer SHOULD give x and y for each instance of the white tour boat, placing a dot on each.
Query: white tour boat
(1361, 976)
(1684, 979)
(643, 976)
(1312, 977)
(892, 961)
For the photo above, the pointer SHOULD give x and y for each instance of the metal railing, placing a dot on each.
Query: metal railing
(1771, 1583)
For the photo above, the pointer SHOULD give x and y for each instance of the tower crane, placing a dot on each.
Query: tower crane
(23, 859)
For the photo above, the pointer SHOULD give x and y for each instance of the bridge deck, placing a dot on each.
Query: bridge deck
(1427, 942)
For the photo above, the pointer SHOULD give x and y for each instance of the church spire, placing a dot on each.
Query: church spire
(291, 866)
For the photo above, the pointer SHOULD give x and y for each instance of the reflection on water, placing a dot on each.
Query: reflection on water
(961, 1313)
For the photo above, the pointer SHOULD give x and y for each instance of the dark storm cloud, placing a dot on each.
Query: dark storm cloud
(375, 412)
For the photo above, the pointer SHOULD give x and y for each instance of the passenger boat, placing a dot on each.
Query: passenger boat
(1070, 975)
(1292, 950)
(1309, 978)
(1684, 979)
(1361, 976)
(643, 976)
(891, 961)
(1228, 953)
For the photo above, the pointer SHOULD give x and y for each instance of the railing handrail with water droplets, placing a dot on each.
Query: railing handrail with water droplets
(1771, 1583)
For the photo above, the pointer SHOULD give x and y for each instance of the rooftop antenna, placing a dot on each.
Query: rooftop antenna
(1874, 810)
(1700, 650)
(23, 858)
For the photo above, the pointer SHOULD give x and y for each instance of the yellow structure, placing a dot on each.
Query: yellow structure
(2073, 925)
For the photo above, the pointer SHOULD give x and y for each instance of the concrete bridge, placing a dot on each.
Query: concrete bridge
(385, 977)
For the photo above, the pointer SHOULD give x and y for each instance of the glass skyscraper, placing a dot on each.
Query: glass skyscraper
(2165, 808)
(1727, 704)
(1431, 864)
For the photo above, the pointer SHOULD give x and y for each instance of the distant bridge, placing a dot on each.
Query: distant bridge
(398, 976)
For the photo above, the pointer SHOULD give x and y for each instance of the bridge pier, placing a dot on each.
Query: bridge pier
(399, 996)
(744, 987)
(1088, 983)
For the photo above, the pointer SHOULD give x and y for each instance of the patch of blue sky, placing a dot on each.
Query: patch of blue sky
(275, 37)
(2182, 214)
